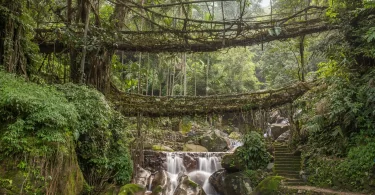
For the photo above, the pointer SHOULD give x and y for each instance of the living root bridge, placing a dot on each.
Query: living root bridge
(153, 106)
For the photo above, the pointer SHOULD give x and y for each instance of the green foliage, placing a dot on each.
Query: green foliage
(255, 176)
(157, 189)
(253, 152)
(102, 145)
(31, 119)
(5, 183)
(42, 121)
(356, 172)
(344, 108)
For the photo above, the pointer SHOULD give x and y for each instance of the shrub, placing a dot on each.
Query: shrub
(253, 152)
(356, 172)
(101, 140)
(33, 118)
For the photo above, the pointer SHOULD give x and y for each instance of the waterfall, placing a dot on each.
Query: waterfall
(175, 165)
(209, 164)
(150, 183)
(234, 144)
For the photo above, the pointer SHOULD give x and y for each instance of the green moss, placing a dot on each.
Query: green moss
(269, 186)
(186, 127)
(130, 189)
(161, 148)
(194, 148)
(192, 183)
(235, 135)
(157, 189)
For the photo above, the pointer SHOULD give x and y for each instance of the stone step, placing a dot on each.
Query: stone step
(288, 166)
(294, 182)
(281, 149)
(279, 171)
(284, 153)
(291, 176)
(287, 158)
(294, 164)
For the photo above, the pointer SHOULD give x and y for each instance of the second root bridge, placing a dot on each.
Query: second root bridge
(154, 106)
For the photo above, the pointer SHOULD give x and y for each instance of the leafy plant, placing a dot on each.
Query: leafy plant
(253, 152)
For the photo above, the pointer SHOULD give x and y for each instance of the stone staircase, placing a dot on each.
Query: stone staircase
(287, 165)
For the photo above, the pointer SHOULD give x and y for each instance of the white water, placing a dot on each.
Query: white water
(209, 164)
(206, 166)
(234, 144)
(150, 183)
(175, 165)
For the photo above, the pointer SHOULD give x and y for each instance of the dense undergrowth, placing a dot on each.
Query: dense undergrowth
(51, 136)
(337, 125)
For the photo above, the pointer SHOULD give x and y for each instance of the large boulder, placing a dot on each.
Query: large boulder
(232, 163)
(269, 186)
(214, 142)
(190, 162)
(160, 183)
(194, 148)
(278, 129)
(284, 137)
(134, 189)
(160, 147)
(61, 169)
(199, 177)
(235, 135)
(142, 176)
(231, 183)
(188, 187)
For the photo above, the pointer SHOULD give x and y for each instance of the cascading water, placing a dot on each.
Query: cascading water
(234, 144)
(207, 165)
(175, 165)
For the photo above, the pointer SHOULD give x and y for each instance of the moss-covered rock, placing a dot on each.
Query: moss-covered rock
(61, 174)
(160, 147)
(214, 142)
(157, 190)
(188, 187)
(232, 183)
(232, 163)
(132, 189)
(269, 186)
(160, 183)
(194, 148)
(235, 135)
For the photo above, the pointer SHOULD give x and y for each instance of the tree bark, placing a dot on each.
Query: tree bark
(13, 54)
(185, 77)
(84, 49)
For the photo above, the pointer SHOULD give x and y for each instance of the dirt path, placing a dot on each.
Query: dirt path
(322, 190)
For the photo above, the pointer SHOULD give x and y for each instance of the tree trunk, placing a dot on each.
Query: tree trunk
(84, 50)
(207, 68)
(185, 78)
(139, 73)
(12, 39)
(173, 75)
(302, 53)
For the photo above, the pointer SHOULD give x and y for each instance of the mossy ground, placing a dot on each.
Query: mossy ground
(130, 189)
(269, 186)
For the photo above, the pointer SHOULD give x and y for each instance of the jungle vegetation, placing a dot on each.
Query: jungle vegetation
(61, 60)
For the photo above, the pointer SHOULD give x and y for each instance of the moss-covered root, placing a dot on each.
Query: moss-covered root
(269, 186)
(132, 189)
